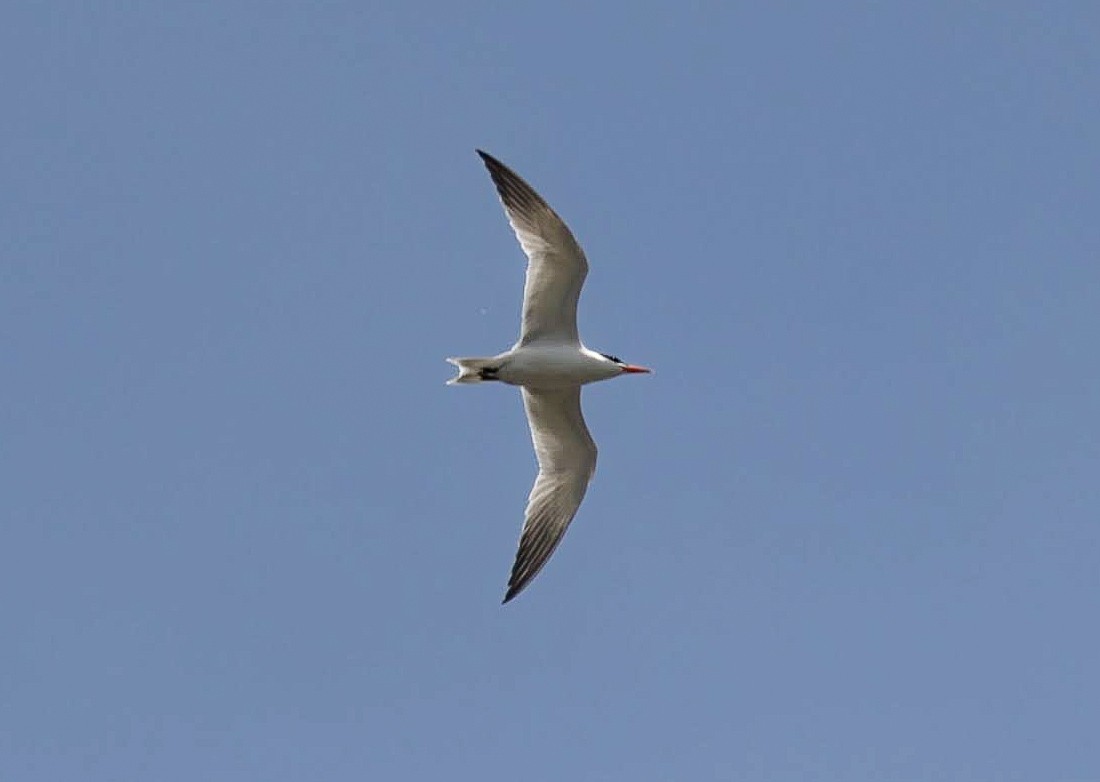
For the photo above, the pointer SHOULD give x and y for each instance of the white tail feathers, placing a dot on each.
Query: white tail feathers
(472, 370)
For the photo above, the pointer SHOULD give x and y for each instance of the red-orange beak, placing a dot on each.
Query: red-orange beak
(634, 368)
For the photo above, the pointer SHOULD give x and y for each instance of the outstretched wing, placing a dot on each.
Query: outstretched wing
(556, 266)
(567, 459)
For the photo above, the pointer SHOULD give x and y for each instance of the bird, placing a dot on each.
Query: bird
(550, 364)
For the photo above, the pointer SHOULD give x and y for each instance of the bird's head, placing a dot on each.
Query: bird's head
(625, 368)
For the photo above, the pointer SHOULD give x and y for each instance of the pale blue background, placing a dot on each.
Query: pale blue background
(848, 531)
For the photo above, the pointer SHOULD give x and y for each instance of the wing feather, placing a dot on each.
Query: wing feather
(567, 460)
(556, 265)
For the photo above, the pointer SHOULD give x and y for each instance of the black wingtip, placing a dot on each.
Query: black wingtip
(517, 196)
(515, 586)
(491, 162)
(513, 590)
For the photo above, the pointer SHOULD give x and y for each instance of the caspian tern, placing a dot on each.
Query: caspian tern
(550, 365)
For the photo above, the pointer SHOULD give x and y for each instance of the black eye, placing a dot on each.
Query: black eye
(616, 359)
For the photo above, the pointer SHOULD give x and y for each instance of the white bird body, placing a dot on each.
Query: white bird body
(550, 364)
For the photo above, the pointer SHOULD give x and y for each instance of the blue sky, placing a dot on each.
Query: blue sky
(848, 530)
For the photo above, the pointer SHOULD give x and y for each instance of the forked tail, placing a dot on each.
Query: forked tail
(474, 370)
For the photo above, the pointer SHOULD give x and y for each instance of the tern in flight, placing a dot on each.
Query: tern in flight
(550, 365)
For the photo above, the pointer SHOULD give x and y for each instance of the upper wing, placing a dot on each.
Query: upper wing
(556, 265)
(567, 459)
